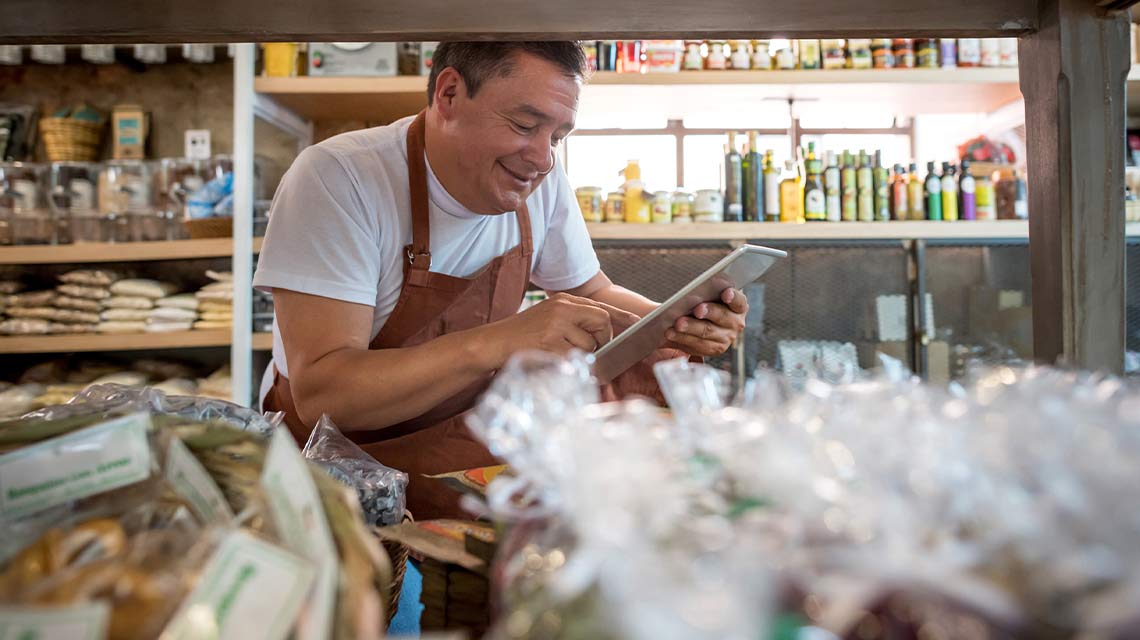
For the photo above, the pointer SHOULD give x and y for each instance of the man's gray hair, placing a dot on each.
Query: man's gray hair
(478, 61)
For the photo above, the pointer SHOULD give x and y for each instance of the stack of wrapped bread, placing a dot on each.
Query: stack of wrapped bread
(216, 301)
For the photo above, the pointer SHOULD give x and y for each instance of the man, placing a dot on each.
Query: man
(398, 257)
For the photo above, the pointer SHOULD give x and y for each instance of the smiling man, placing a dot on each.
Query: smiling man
(398, 257)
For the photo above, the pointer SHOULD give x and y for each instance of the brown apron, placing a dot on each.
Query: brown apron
(432, 305)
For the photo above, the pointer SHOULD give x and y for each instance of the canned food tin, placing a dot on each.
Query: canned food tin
(590, 202)
(662, 211)
(615, 207)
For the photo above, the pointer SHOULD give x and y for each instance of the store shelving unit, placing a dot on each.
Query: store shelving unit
(125, 342)
(912, 90)
(905, 230)
(94, 252)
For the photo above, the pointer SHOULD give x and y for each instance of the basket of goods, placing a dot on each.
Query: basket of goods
(73, 134)
(133, 514)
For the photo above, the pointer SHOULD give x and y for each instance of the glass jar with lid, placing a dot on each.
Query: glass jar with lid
(175, 180)
(124, 193)
(23, 203)
(72, 188)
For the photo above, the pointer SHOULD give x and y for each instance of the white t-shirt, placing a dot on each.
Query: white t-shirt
(342, 216)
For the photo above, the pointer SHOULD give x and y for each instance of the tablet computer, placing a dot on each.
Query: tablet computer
(737, 269)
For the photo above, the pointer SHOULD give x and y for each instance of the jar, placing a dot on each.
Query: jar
(786, 57)
(882, 53)
(716, 60)
(948, 48)
(708, 206)
(693, 61)
(991, 52)
(761, 57)
(1007, 51)
(969, 52)
(71, 198)
(834, 53)
(615, 207)
(809, 54)
(904, 53)
(125, 192)
(859, 54)
(661, 211)
(23, 203)
(590, 202)
(926, 53)
(176, 178)
(682, 207)
(408, 58)
(741, 57)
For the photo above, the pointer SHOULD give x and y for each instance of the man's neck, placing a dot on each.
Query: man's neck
(444, 161)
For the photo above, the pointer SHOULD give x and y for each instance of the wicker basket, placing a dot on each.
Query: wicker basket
(210, 228)
(398, 553)
(72, 139)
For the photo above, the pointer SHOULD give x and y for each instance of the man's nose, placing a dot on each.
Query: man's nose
(540, 153)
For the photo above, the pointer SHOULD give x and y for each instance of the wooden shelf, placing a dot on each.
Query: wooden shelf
(925, 230)
(121, 252)
(125, 342)
(909, 91)
(262, 341)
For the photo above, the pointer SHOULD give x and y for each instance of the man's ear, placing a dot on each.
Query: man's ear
(449, 87)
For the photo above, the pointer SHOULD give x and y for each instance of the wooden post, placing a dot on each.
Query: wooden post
(1073, 73)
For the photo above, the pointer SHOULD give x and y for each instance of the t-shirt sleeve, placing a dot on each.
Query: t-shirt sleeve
(566, 258)
(321, 240)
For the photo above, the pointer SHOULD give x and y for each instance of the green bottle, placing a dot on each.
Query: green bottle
(753, 181)
(865, 182)
(815, 204)
(847, 185)
(933, 193)
(882, 189)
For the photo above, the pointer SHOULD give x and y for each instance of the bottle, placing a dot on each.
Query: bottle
(916, 208)
(733, 177)
(1021, 200)
(771, 189)
(926, 53)
(753, 170)
(809, 54)
(969, 52)
(948, 47)
(882, 188)
(991, 52)
(904, 53)
(832, 188)
(949, 192)
(693, 61)
(899, 206)
(637, 210)
(815, 204)
(716, 60)
(849, 191)
(834, 53)
(859, 54)
(984, 196)
(865, 185)
(761, 58)
(933, 193)
(791, 195)
(966, 194)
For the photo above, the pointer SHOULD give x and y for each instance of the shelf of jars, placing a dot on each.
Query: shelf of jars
(895, 230)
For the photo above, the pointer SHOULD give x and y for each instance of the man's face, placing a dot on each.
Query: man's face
(506, 135)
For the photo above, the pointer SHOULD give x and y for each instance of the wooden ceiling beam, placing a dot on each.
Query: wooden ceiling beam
(130, 21)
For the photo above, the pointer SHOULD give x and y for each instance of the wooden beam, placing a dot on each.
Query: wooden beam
(1073, 72)
(83, 21)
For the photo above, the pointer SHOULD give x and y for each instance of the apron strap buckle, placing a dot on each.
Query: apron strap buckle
(413, 257)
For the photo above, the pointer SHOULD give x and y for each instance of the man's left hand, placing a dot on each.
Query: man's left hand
(712, 327)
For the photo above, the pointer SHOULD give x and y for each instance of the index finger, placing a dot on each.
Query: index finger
(735, 299)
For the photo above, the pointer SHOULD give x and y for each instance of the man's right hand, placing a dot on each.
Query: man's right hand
(559, 324)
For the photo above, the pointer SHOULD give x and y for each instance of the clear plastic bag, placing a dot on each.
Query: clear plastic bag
(381, 490)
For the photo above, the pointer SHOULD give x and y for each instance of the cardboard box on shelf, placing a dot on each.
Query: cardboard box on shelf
(130, 125)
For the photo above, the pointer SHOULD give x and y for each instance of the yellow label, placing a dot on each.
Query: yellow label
(791, 201)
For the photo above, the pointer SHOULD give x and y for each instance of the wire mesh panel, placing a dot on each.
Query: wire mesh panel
(980, 302)
(1132, 306)
(822, 293)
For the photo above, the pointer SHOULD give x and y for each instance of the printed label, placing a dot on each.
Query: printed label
(300, 518)
(250, 590)
(99, 458)
(190, 480)
(86, 621)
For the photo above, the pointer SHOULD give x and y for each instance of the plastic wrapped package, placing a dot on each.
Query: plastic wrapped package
(999, 507)
(382, 491)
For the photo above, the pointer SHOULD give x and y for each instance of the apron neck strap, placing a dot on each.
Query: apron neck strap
(419, 252)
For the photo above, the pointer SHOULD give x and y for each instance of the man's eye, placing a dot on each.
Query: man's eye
(523, 128)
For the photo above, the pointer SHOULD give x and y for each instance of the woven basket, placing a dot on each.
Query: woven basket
(398, 553)
(210, 228)
(71, 139)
